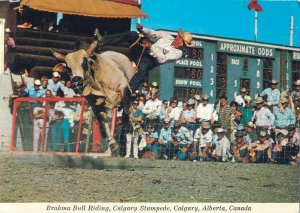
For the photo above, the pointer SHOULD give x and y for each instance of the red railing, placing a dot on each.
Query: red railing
(80, 100)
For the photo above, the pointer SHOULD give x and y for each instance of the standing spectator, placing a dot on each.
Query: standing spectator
(262, 117)
(173, 111)
(205, 110)
(60, 132)
(55, 84)
(9, 45)
(204, 137)
(283, 117)
(225, 114)
(188, 116)
(181, 141)
(44, 84)
(240, 99)
(234, 119)
(151, 110)
(142, 100)
(246, 111)
(262, 149)
(197, 99)
(134, 129)
(273, 94)
(144, 88)
(69, 92)
(164, 140)
(35, 91)
(239, 148)
(222, 151)
(163, 111)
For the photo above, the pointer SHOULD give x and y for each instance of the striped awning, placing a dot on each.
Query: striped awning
(92, 8)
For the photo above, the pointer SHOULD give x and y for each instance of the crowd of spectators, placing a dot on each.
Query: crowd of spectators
(264, 130)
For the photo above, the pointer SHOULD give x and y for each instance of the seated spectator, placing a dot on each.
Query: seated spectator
(149, 143)
(260, 150)
(164, 140)
(203, 136)
(292, 147)
(181, 140)
(239, 148)
(278, 153)
(222, 150)
(251, 135)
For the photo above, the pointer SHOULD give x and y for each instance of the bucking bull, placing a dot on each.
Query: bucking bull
(105, 81)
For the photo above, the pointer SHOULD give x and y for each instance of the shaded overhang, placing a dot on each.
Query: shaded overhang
(91, 8)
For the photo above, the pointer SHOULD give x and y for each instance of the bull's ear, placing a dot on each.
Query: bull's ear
(91, 48)
(57, 55)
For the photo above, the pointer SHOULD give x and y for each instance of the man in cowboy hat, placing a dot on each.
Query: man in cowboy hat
(165, 49)
(261, 148)
(204, 136)
(55, 84)
(283, 117)
(222, 150)
(297, 89)
(262, 117)
(205, 110)
(273, 94)
(240, 99)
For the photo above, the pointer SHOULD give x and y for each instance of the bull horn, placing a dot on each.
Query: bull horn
(91, 48)
(57, 55)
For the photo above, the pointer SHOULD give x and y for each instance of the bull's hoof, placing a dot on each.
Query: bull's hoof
(114, 146)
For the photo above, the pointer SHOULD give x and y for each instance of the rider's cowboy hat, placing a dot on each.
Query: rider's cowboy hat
(187, 37)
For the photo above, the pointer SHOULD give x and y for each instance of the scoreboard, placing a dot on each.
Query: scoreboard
(222, 67)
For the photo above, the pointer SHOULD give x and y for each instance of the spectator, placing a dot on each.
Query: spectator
(144, 88)
(38, 128)
(149, 141)
(296, 91)
(205, 110)
(164, 141)
(234, 118)
(181, 140)
(55, 85)
(44, 84)
(262, 117)
(283, 117)
(151, 110)
(35, 91)
(239, 148)
(225, 114)
(60, 132)
(173, 111)
(69, 92)
(152, 89)
(292, 147)
(197, 99)
(9, 46)
(163, 111)
(240, 99)
(246, 111)
(188, 116)
(251, 134)
(142, 100)
(134, 129)
(278, 153)
(260, 150)
(204, 137)
(272, 94)
(222, 150)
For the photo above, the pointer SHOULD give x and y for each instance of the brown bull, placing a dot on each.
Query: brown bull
(105, 81)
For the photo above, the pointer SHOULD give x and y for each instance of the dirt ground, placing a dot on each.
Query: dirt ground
(58, 178)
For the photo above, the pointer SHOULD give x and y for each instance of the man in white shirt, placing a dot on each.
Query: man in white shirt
(151, 110)
(205, 110)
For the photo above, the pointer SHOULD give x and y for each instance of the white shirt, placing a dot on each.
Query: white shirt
(264, 117)
(175, 113)
(203, 139)
(162, 50)
(151, 108)
(205, 112)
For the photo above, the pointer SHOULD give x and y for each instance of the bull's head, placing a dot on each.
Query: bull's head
(77, 62)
